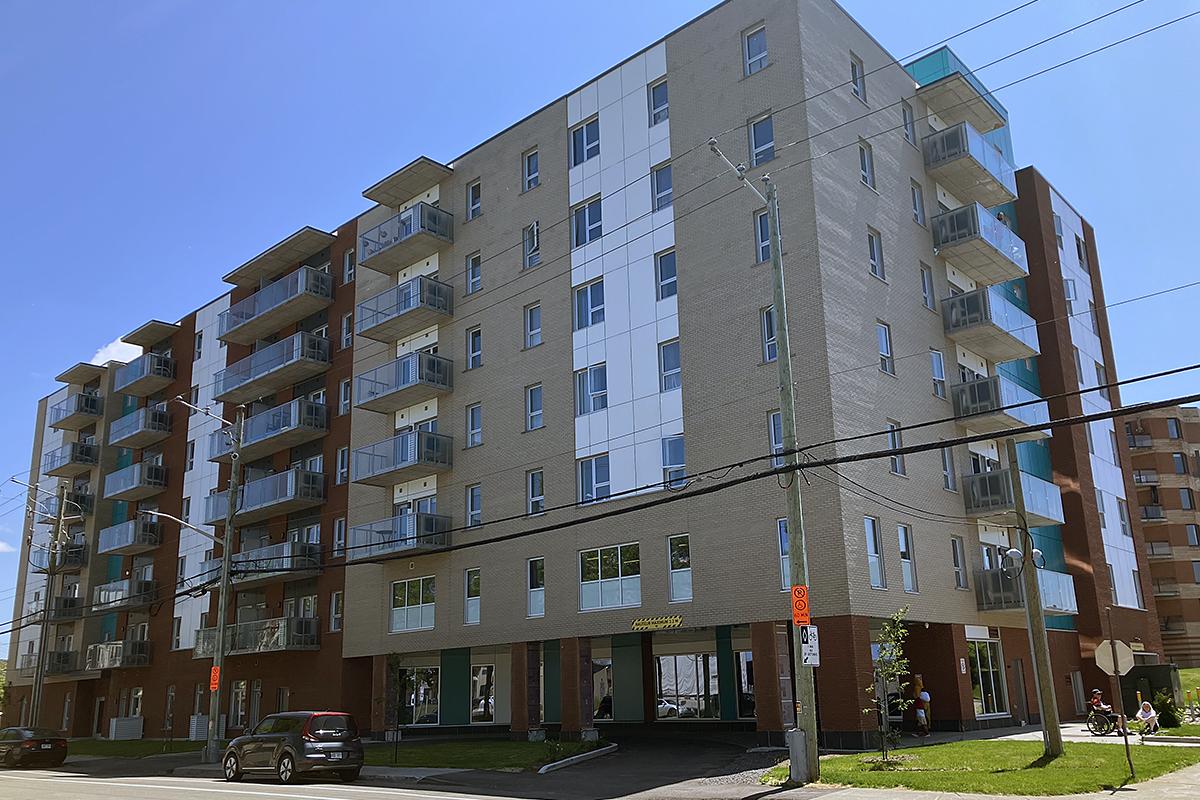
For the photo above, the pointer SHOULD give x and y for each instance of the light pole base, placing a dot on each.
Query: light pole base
(798, 753)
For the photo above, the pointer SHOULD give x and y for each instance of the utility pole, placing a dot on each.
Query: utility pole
(1118, 702)
(1039, 643)
(39, 677)
(807, 770)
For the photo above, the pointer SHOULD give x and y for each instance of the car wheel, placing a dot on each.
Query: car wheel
(350, 775)
(10, 759)
(232, 768)
(58, 762)
(286, 769)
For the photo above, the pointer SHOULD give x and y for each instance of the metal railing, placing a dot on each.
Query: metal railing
(1145, 477)
(60, 661)
(988, 306)
(996, 589)
(261, 636)
(302, 346)
(419, 218)
(997, 394)
(306, 280)
(65, 608)
(144, 366)
(145, 419)
(299, 413)
(420, 292)
(408, 370)
(114, 655)
(1153, 512)
(83, 453)
(405, 450)
(78, 503)
(137, 532)
(140, 474)
(974, 222)
(948, 144)
(77, 403)
(1140, 440)
(398, 534)
(291, 484)
(280, 557)
(1158, 549)
(127, 592)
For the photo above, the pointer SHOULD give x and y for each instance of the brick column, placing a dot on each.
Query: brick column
(772, 678)
(526, 692)
(934, 653)
(381, 710)
(844, 673)
(577, 689)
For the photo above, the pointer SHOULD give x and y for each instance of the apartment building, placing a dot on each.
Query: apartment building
(1165, 450)
(575, 316)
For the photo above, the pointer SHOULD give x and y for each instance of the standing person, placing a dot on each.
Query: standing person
(922, 706)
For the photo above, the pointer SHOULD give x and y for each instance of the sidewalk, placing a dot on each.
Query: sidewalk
(409, 776)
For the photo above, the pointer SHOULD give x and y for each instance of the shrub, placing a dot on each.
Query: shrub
(1168, 712)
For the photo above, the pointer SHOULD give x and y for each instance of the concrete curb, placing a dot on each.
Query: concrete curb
(1174, 739)
(384, 774)
(571, 761)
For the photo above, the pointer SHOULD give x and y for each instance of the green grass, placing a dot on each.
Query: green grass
(991, 767)
(134, 748)
(1189, 679)
(1182, 730)
(474, 754)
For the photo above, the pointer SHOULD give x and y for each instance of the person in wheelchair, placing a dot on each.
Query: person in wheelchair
(1101, 708)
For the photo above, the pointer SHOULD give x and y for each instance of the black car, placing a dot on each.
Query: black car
(21, 746)
(293, 743)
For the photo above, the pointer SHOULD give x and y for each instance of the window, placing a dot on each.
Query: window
(785, 557)
(679, 551)
(949, 476)
(874, 553)
(349, 263)
(585, 142)
(471, 604)
(762, 141)
(474, 280)
(754, 50)
(533, 325)
(198, 349)
(1081, 252)
(918, 203)
(237, 704)
(610, 577)
(883, 333)
(875, 253)
(1058, 230)
(474, 348)
(1100, 506)
(339, 537)
(770, 344)
(190, 455)
(1123, 515)
(669, 373)
(1102, 379)
(910, 122)
(928, 298)
(937, 368)
(674, 471)
(1087, 433)
(762, 237)
(586, 223)
(1193, 535)
(336, 610)
(419, 691)
(532, 245)
(535, 492)
(474, 200)
(533, 407)
(176, 633)
(775, 432)
(958, 557)
(659, 109)
(908, 557)
(591, 389)
(1186, 502)
(474, 505)
(858, 78)
(895, 440)
(474, 424)
(661, 181)
(536, 572)
(344, 397)
(664, 274)
(1093, 318)
(589, 305)
(866, 164)
(343, 465)
(593, 478)
(186, 510)
(986, 664)
(1179, 460)
(529, 170)
(413, 604)
(347, 331)
(1174, 428)
(194, 399)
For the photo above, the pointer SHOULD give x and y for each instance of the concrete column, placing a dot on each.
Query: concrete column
(576, 655)
(526, 691)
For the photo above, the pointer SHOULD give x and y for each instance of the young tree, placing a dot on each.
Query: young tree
(891, 667)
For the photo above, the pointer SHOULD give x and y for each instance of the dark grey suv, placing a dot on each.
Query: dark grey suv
(294, 743)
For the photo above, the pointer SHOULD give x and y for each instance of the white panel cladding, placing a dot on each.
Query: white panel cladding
(201, 479)
(638, 416)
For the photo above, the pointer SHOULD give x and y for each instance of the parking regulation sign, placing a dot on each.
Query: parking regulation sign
(810, 651)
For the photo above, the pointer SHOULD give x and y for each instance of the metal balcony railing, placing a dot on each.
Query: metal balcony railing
(1145, 477)
(412, 378)
(275, 429)
(73, 458)
(145, 375)
(1158, 549)
(289, 299)
(128, 593)
(970, 166)
(997, 590)
(405, 534)
(115, 655)
(413, 234)
(989, 495)
(275, 366)
(143, 427)
(78, 411)
(135, 482)
(990, 324)
(78, 504)
(273, 495)
(26, 665)
(59, 662)
(997, 403)
(65, 608)
(404, 309)
(1153, 513)
(406, 456)
(261, 636)
(980, 245)
(287, 561)
(1140, 440)
(132, 537)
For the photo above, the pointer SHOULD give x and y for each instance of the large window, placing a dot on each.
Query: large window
(610, 577)
(593, 478)
(679, 550)
(1179, 462)
(412, 604)
(874, 553)
(471, 607)
(589, 305)
(987, 677)
(686, 686)
(762, 140)
(665, 274)
(536, 587)
(585, 142)
(586, 224)
(668, 366)
(419, 692)
(674, 470)
(483, 692)
(661, 181)
(754, 50)
(591, 389)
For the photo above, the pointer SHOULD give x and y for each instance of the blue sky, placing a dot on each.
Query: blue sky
(160, 143)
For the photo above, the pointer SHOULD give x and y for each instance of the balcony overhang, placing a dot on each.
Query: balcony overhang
(407, 182)
(403, 396)
(275, 259)
(955, 100)
(150, 334)
(293, 372)
(81, 374)
(405, 472)
(303, 302)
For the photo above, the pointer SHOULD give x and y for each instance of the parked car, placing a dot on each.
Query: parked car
(295, 743)
(21, 746)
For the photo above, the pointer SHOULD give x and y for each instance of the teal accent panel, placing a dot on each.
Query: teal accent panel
(727, 666)
(455, 702)
(627, 677)
(114, 568)
(1023, 372)
(1009, 210)
(124, 457)
(1061, 623)
(129, 404)
(108, 628)
(1034, 459)
(1015, 292)
(1048, 539)
(120, 512)
(934, 66)
(551, 681)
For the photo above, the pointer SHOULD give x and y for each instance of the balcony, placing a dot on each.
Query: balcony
(145, 375)
(1153, 513)
(969, 166)
(988, 496)
(75, 413)
(142, 428)
(1158, 550)
(130, 538)
(26, 665)
(279, 428)
(70, 460)
(952, 91)
(981, 247)
(285, 561)
(65, 609)
(79, 503)
(272, 368)
(404, 535)
(988, 323)
(115, 655)
(405, 309)
(72, 557)
(135, 482)
(1140, 441)
(415, 233)
(272, 496)
(985, 405)
(261, 636)
(997, 591)
(412, 454)
(1166, 589)
(284, 302)
(59, 662)
(1145, 477)
(125, 594)
(410, 379)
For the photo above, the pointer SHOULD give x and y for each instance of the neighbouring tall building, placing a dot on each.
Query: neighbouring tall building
(575, 316)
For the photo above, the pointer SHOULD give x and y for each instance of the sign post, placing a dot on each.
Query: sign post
(810, 650)
(1115, 658)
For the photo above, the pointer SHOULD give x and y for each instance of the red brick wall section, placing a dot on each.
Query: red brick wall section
(769, 671)
(576, 669)
(519, 690)
(844, 673)
(933, 652)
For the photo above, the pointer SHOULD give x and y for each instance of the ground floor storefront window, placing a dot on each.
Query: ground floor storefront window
(745, 684)
(686, 686)
(986, 663)
(419, 695)
(483, 693)
(602, 688)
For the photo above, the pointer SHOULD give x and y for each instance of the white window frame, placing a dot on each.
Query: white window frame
(337, 610)
(958, 562)
(535, 596)
(535, 496)
(666, 286)
(349, 265)
(937, 371)
(674, 463)
(474, 494)
(339, 537)
(1123, 516)
(345, 399)
(533, 328)
(472, 602)
(530, 178)
(895, 440)
(591, 389)
(785, 558)
(754, 62)
(587, 472)
(658, 113)
(928, 293)
(775, 436)
(866, 163)
(198, 346)
(587, 222)
(474, 347)
(589, 304)
(660, 196)
(761, 153)
(534, 417)
(909, 119)
(474, 199)
(875, 261)
(875, 561)
(669, 379)
(348, 330)
(883, 337)
(420, 605)
(858, 78)
(679, 579)
(767, 327)
(908, 563)
(474, 279)
(762, 237)
(584, 147)
(918, 202)
(474, 424)
(343, 465)
(190, 455)
(531, 245)
(949, 476)
(632, 580)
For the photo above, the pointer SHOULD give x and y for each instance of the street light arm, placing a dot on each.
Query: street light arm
(218, 539)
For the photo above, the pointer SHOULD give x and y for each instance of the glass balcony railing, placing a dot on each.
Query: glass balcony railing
(274, 495)
(1153, 513)
(284, 561)
(63, 609)
(274, 367)
(969, 166)
(1139, 441)
(275, 429)
(142, 428)
(413, 234)
(261, 636)
(78, 504)
(1158, 549)
(73, 458)
(991, 325)
(952, 91)
(72, 556)
(997, 590)
(997, 403)
(129, 538)
(979, 245)
(76, 412)
(128, 593)
(403, 457)
(26, 665)
(404, 309)
(145, 375)
(989, 496)
(135, 482)
(289, 299)
(412, 378)
(59, 662)
(1145, 477)
(115, 655)
(405, 534)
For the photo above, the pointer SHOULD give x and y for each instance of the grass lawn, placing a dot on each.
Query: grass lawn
(134, 748)
(1000, 768)
(1182, 730)
(474, 754)
(1189, 679)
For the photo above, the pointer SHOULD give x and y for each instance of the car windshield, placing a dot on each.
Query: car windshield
(334, 725)
(40, 733)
